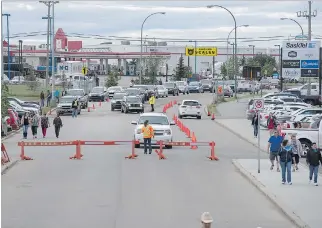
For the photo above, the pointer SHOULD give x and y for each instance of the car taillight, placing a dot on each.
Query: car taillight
(198, 106)
(266, 117)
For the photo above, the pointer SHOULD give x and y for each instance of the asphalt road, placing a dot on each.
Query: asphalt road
(105, 190)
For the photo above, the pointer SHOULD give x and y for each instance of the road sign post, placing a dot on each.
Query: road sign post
(259, 106)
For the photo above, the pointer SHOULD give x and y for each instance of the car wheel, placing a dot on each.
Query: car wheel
(126, 110)
(137, 146)
(122, 110)
(199, 117)
(168, 146)
(142, 110)
(306, 145)
(173, 94)
(180, 116)
(178, 94)
(112, 109)
(203, 91)
(167, 96)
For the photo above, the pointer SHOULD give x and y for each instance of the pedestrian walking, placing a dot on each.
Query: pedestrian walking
(313, 159)
(286, 157)
(274, 145)
(44, 122)
(49, 95)
(75, 108)
(148, 133)
(297, 151)
(56, 94)
(42, 99)
(271, 123)
(255, 124)
(34, 125)
(152, 102)
(58, 123)
(25, 122)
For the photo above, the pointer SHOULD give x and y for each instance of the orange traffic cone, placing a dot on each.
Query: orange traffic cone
(107, 99)
(174, 102)
(100, 104)
(193, 140)
(93, 106)
(88, 109)
(213, 116)
(208, 113)
(188, 133)
(161, 155)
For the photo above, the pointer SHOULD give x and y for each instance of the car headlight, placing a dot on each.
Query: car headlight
(141, 105)
(113, 102)
(168, 132)
(138, 131)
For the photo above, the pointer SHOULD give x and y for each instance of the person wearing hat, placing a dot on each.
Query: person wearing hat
(206, 220)
(148, 134)
(152, 102)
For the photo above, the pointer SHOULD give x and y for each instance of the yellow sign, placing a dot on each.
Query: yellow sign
(84, 70)
(202, 51)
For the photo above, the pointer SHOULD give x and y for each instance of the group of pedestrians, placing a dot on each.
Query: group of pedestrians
(286, 153)
(48, 97)
(34, 122)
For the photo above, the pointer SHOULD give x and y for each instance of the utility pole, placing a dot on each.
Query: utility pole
(48, 4)
(308, 16)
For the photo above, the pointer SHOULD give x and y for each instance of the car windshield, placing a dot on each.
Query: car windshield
(65, 100)
(133, 92)
(180, 83)
(160, 87)
(160, 120)
(194, 84)
(169, 85)
(118, 95)
(114, 88)
(75, 92)
(144, 87)
(134, 100)
(191, 103)
(98, 90)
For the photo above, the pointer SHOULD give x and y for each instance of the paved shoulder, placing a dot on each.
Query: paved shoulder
(306, 212)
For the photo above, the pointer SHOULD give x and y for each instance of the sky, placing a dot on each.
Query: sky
(189, 20)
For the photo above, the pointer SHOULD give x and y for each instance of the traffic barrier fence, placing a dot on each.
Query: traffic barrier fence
(4, 156)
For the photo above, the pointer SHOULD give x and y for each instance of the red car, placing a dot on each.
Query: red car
(13, 120)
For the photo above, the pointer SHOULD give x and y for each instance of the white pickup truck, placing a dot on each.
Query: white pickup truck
(307, 136)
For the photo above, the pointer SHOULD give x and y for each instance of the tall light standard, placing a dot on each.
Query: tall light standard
(141, 65)
(280, 64)
(284, 18)
(8, 41)
(252, 46)
(53, 46)
(235, 54)
(228, 42)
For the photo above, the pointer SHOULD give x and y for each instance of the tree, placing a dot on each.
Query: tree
(181, 70)
(32, 82)
(4, 99)
(266, 62)
(153, 64)
(223, 69)
(112, 80)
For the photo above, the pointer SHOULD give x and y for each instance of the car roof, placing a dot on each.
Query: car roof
(190, 100)
(69, 96)
(132, 96)
(153, 114)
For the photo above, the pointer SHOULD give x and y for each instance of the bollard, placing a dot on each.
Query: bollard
(132, 155)
(22, 152)
(212, 152)
(206, 220)
(161, 156)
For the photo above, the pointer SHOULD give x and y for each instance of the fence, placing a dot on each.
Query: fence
(4, 156)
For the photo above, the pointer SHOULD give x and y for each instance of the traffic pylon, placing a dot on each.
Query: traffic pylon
(107, 99)
(213, 116)
(88, 109)
(171, 104)
(193, 140)
(164, 109)
(93, 107)
(208, 113)
(5, 158)
(188, 133)
(160, 155)
(100, 104)
(175, 102)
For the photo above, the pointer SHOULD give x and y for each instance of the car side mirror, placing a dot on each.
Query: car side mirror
(200, 104)
(179, 103)
(134, 122)
(172, 123)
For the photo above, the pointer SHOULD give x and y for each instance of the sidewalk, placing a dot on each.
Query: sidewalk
(301, 202)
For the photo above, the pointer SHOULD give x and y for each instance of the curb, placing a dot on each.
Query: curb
(13, 133)
(280, 205)
(8, 167)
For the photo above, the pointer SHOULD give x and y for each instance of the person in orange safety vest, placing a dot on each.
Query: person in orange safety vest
(148, 133)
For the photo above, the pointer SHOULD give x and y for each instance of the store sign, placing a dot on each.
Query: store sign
(202, 51)
(300, 58)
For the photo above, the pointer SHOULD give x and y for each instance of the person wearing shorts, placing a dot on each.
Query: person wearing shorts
(297, 151)
(274, 146)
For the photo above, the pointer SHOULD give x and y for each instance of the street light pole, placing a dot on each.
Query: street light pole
(48, 4)
(141, 65)
(309, 16)
(280, 64)
(52, 46)
(8, 41)
(284, 18)
(235, 54)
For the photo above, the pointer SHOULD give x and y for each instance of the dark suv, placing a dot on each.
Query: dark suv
(172, 88)
(116, 102)
(206, 85)
(132, 104)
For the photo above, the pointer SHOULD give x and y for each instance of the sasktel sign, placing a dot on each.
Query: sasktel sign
(301, 45)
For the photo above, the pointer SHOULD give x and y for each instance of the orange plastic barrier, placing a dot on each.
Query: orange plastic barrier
(78, 143)
(4, 157)
(212, 144)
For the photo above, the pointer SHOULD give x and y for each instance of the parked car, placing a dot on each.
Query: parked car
(206, 85)
(65, 105)
(22, 103)
(17, 80)
(195, 87)
(182, 86)
(17, 106)
(116, 101)
(132, 104)
(13, 120)
(189, 108)
(81, 96)
(162, 91)
(161, 125)
(172, 88)
(98, 94)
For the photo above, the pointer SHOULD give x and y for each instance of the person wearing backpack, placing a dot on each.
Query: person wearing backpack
(58, 123)
(34, 125)
(44, 122)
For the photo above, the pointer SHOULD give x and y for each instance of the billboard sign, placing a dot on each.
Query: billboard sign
(201, 51)
(300, 58)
